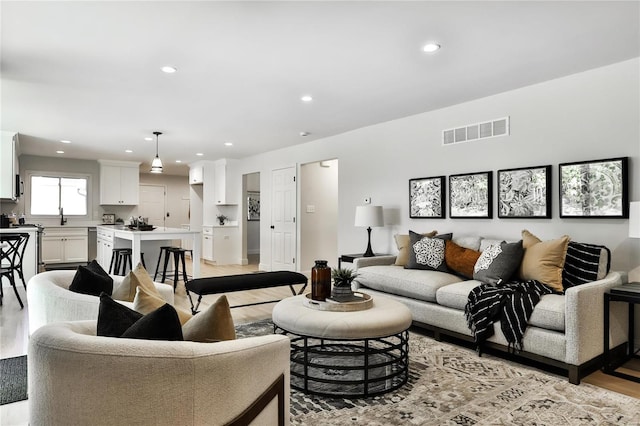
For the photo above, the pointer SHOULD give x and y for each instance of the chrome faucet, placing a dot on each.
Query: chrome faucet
(62, 219)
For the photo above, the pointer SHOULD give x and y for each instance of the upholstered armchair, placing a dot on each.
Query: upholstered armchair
(78, 378)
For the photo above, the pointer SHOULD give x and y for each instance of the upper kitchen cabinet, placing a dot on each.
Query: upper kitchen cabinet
(224, 189)
(196, 174)
(119, 182)
(9, 168)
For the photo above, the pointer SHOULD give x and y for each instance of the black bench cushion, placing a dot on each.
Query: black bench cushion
(254, 281)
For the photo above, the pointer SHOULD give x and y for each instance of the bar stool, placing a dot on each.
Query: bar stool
(11, 253)
(163, 250)
(178, 256)
(120, 258)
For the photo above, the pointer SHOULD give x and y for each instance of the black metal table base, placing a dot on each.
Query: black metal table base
(348, 368)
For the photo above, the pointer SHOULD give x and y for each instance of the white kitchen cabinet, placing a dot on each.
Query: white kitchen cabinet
(207, 243)
(9, 166)
(119, 182)
(224, 188)
(104, 249)
(64, 245)
(196, 174)
(225, 245)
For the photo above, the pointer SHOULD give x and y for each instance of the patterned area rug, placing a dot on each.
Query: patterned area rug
(13, 379)
(451, 385)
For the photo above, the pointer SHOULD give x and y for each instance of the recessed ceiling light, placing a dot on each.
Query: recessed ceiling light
(59, 152)
(65, 141)
(169, 69)
(228, 144)
(199, 154)
(178, 161)
(430, 47)
(304, 133)
(128, 151)
(306, 98)
(148, 139)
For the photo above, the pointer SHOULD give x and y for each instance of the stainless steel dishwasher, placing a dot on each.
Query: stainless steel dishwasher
(92, 241)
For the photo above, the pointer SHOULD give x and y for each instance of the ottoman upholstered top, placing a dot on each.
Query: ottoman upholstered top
(387, 317)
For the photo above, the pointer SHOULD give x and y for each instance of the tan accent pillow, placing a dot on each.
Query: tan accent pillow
(138, 277)
(212, 325)
(460, 259)
(402, 242)
(543, 260)
(146, 302)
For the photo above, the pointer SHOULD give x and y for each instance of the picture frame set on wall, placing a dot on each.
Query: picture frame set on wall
(594, 189)
(471, 195)
(587, 189)
(427, 198)
(253, 206)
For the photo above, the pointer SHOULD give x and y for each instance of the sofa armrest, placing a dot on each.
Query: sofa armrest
(362, 262)
(584, 319)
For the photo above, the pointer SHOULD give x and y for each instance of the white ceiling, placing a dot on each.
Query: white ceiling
(90, 72)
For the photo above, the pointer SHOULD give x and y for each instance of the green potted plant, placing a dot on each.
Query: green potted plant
(221, 218)
(342, 279)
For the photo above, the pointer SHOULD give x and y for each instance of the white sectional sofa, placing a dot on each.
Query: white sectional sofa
(565, 331)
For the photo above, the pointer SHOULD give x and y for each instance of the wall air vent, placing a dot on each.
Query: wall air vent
(472, 132)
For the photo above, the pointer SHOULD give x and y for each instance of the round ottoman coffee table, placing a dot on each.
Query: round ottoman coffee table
(346, 354)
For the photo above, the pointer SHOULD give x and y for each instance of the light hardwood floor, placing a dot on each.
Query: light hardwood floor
(14, 331)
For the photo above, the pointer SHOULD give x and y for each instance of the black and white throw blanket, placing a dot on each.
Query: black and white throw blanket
(512, 303)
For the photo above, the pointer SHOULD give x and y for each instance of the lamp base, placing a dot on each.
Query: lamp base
(369, 252)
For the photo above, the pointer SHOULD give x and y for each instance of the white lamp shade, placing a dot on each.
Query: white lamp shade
(634, 219)
(369, 216)
(156, 165)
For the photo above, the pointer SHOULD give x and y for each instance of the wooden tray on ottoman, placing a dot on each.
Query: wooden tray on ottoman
(365, 302)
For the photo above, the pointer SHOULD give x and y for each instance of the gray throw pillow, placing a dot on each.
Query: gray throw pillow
(427, 252)
(498, 262)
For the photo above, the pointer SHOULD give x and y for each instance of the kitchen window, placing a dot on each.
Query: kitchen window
(49, 192)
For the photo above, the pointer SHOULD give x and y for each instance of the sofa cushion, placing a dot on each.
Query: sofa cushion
(212, 325)
(139, 277)
(548, 313)
(585, 263)
(91, 279)
(161, 324)
(469, 242)
(146, 302)
(543, 260)
(114, 318)
(498, 262)
(460, 259)
(402, 243)
(427, 252)
(413, 283)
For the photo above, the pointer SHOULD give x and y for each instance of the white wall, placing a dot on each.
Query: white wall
(176, 198)
(586, 116)
(319, 228)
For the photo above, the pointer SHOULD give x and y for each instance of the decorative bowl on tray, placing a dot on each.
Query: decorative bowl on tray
(141, 227)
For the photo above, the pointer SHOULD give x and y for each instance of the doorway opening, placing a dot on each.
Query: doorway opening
(251, 217)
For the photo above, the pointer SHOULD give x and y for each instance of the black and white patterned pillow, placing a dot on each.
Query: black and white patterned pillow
(427, 252)
(498, 262)
(585, 263)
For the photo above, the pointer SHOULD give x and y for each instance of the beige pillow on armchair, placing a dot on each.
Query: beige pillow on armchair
(402, 242)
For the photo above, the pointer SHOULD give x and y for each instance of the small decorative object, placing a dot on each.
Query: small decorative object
(426, 198)
(253, 206)
(524, 192)
(320, 281)
(221, 218)
(342, 279)
(368, 216)
(594, 189)
(470, 195)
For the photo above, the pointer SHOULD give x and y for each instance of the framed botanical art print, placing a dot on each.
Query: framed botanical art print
(470, 195)
(525, 193)
(426, 198)
(594, 189)
(253, 206)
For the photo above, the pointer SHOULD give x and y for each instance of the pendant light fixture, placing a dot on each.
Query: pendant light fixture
(156, 164)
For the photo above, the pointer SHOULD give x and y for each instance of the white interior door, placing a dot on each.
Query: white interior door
(152, 204)
(283, 235)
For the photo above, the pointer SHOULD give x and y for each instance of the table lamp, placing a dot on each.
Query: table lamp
(369, 216)
(634, 219)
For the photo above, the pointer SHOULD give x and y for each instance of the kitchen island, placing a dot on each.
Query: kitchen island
(149, 242)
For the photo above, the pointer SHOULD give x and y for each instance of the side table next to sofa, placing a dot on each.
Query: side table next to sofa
(629, 293)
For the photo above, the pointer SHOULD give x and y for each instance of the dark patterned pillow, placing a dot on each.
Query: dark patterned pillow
(498, 262)
(585, 263)
(427, 252)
